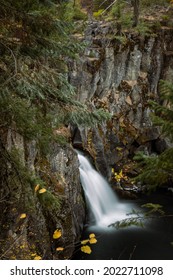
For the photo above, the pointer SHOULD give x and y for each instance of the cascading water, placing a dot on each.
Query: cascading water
(130, 242)
(105, 207)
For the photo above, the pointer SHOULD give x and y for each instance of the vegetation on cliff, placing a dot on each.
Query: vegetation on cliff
(35, 94)
(37, 102)
(39, 106)
(157, 169)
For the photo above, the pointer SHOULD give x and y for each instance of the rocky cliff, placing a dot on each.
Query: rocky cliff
(48, 198)
(117, 73)
(120, 74)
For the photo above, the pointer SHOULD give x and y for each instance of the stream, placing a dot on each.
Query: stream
(151, 242)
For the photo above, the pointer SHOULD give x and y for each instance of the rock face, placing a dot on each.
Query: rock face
(120, 74)
(30, 217)
(117, 73)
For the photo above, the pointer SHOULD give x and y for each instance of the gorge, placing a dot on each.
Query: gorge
(47, 95)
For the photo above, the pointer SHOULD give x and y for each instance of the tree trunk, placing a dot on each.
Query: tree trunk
(135, 4)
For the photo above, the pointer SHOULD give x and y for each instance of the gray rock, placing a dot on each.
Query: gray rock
(122, 78)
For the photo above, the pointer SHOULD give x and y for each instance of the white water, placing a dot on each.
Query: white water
(102, 201)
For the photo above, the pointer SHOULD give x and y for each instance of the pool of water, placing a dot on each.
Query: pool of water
(153, 242)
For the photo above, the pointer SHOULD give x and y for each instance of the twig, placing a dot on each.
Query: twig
(102, 3)
(8, 157)
(131, 254)
(15, 60)
(122, 252)
(15, 64)
(109, 7)
(24, 226)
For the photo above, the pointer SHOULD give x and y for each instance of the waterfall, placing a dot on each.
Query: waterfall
(102, 201)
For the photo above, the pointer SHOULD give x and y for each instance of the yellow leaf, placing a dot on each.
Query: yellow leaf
(37, 188)
(93, 240)
(86, 249)
(57, 234)
(23, 216)
(37, 258)
(119, 149)
(42, 190)
(119, 176)
(92, 235)
(113, 170)
(33, 254)
(59, 249)
(83, 242)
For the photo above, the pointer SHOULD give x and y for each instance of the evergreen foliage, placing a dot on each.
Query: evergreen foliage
(157, 170)
(36, 98)
(138, 218)
(35, 95)
(119, 12)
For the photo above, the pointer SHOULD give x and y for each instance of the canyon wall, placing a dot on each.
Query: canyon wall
(121, 74)
(31, 215)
